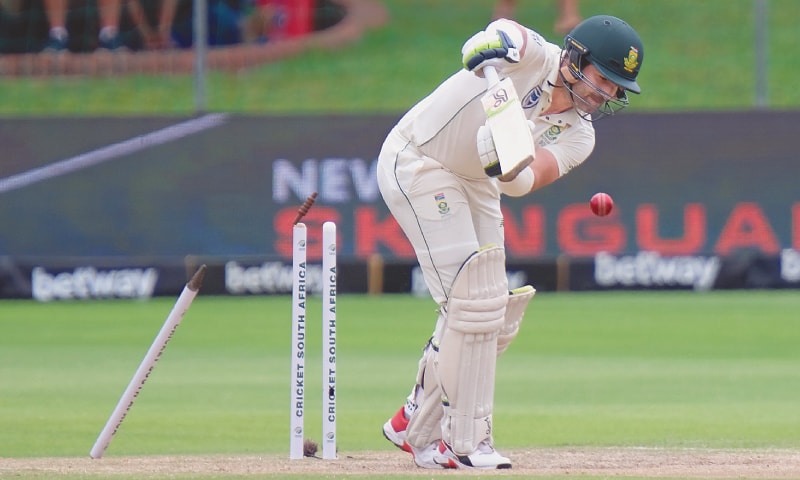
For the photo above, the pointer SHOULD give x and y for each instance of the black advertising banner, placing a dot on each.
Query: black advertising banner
(229, 186)
(87, 278)
(683, 184)
(688, 188)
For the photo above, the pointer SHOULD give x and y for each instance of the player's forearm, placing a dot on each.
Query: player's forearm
(520, 185)
(545, 168)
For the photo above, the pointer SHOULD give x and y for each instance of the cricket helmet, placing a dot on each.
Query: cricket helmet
(611, 45)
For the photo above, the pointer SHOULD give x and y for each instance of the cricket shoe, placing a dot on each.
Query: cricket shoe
(425, 457)
(485, 457)
(395, 430)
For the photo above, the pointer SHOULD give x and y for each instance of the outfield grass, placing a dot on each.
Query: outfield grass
(699, 56)
(715, 370)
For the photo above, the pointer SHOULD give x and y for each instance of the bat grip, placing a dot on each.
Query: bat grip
(490, 74)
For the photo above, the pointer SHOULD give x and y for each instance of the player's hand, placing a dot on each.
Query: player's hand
(493, 47)
(487, 152)
(517, 186)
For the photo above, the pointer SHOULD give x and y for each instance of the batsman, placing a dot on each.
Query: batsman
(440, 175)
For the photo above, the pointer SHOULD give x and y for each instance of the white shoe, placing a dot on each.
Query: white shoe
(424, 457)
(395, 430)
(485, 457)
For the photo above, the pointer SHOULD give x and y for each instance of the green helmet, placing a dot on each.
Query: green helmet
(611, 45)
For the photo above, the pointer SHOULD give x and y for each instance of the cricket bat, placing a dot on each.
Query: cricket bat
(508, 124)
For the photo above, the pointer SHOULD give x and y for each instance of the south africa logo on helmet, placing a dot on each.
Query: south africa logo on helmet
(612, 46)
(631, 62)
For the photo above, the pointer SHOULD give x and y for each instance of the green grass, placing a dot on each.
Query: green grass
(699, 56)
(716, 370)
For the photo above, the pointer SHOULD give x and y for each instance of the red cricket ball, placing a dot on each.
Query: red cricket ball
(601, 204)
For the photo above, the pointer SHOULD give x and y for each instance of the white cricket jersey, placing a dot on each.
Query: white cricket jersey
(444, 124)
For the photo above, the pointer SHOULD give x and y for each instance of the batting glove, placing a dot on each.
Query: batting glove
(487, 152)
(520, 185)
(488, 48)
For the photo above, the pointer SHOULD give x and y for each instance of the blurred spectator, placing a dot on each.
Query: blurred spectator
(259, 21)
(225, 18)
(56, 14)
(247, 21)
(568, 14)
(154, 36)
(21, 27)
(11, 7)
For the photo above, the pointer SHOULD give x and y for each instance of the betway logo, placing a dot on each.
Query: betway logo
(790, 265)
(649, 269)
(269, 277)
(88, 282)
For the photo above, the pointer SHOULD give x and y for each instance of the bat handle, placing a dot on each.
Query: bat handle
(490, 74)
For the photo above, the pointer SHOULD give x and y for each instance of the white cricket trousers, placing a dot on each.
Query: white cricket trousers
(445, 217)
